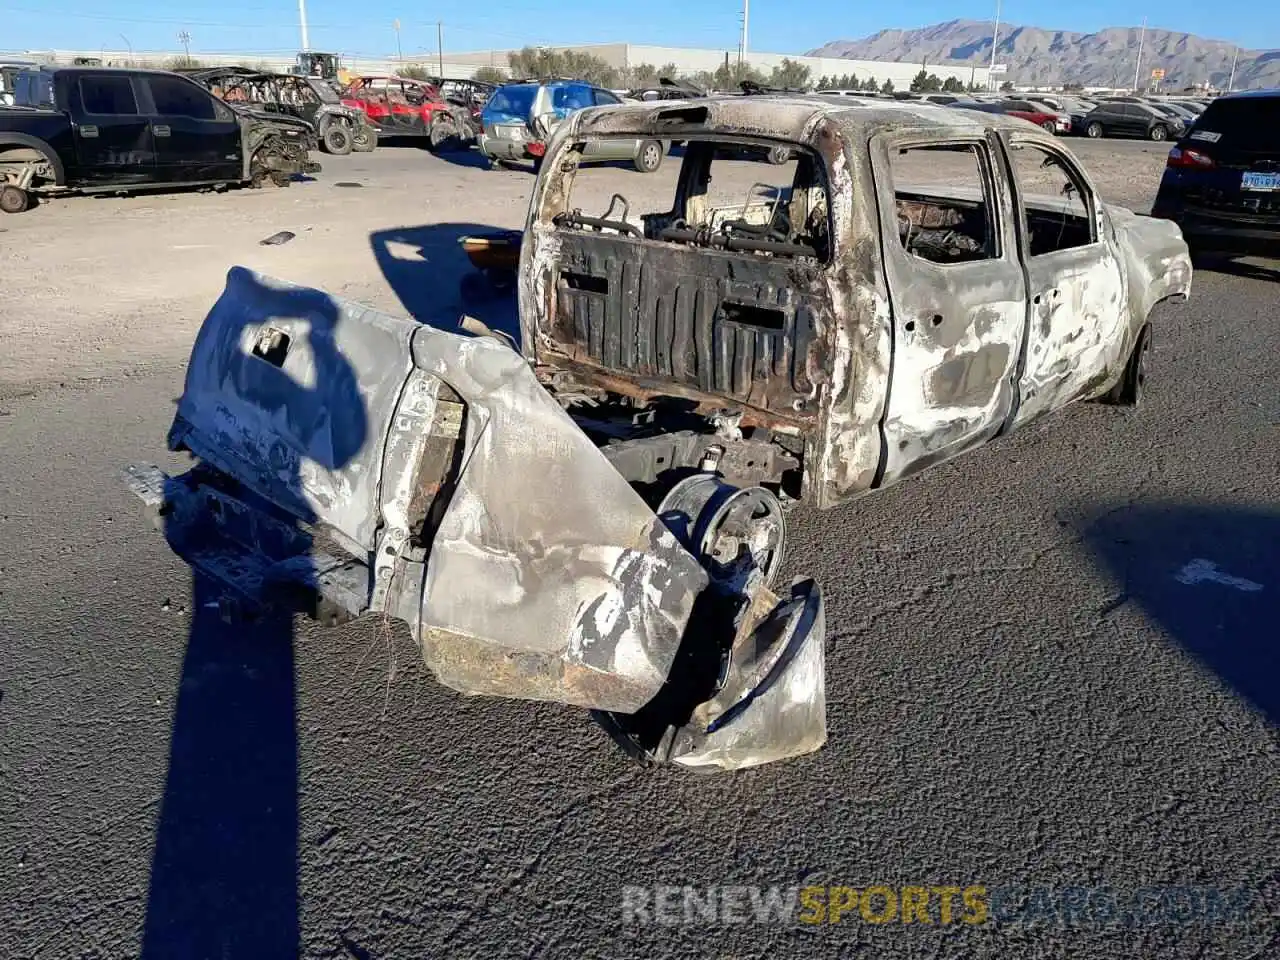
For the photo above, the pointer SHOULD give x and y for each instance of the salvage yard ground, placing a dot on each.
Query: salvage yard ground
(1047, 663)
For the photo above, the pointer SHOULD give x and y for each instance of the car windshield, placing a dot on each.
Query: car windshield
(514, 101)
(1247, 123)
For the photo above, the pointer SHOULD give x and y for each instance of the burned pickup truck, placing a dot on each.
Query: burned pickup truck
(597, 516)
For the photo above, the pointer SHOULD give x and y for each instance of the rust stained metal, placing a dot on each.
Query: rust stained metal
(910, 361)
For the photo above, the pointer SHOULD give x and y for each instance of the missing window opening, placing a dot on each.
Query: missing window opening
(585, 282)
(272, 346)
(751, 315)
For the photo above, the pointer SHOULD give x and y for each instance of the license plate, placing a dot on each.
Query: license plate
(1260, 181)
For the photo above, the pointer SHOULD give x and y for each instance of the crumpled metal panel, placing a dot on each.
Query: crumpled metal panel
(1157, 260)
(772, 704)
(305, 426)
(548, 578)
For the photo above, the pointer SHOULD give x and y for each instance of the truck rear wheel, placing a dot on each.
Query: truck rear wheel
(14, 199)
(1128, 392)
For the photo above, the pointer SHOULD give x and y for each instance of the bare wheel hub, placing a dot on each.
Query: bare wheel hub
(737, 534)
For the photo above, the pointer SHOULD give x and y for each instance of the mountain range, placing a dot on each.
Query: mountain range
(1042, 57)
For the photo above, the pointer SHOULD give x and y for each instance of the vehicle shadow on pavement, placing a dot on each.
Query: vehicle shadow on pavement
(224, 874)
(464, 156)
(1209, 575)
(436, 283)
(1240, 268)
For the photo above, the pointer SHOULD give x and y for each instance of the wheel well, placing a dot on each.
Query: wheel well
(19, 148)
(12, 154)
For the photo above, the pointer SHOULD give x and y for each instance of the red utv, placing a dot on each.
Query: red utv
(401, 107)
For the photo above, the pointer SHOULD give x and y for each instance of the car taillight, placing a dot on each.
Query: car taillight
(537, 149)
(1183, 158)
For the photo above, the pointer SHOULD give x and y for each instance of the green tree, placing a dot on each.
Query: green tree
(414, 71)
(729, 76)
(182, 63)
(703, 79)
(642, 75)
(924, 82)
(791, 74)
(1006, 87)
(490, 75)
(541, 62)
(887, 87)
(952, 85)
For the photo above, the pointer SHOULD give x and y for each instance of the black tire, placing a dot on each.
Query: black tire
(1158, 133)
(1128, 392)
(14, 199)
(537, 165)
(337, 139)
(443, 133)
(1049, 126)
(1094, 130)
(649, 156)
(364, 140)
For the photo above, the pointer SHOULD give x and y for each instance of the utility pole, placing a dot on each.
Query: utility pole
(1137, 69)
(184, 38)
(302, 22)
(995, 40)
(399, 52)
(746, 11)
(1231, 82)
(440, 45)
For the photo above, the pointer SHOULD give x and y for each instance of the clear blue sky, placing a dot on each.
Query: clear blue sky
(365, 28)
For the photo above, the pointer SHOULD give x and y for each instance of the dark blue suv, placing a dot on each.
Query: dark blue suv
(1221, 182)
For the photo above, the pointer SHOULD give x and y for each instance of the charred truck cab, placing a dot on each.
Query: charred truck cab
(596, 516)
(853, 327)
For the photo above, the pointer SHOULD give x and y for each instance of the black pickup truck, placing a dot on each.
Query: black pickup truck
(94, 129)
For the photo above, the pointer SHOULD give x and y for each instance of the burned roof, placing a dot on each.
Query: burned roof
(784, 116)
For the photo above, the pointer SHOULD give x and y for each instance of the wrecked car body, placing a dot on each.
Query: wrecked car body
(402, 107)
(339, 128)
(595, 515)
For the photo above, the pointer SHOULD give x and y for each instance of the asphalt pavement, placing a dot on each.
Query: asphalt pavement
(1052, 666)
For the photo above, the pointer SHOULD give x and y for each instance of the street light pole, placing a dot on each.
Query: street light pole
(440, 45)
(302, 23)
(995, 39)
(399, 52)
(1231, 82)
(1137, 68)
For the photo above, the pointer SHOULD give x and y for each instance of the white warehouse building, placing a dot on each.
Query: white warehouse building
(691, 60)
(619, 55)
